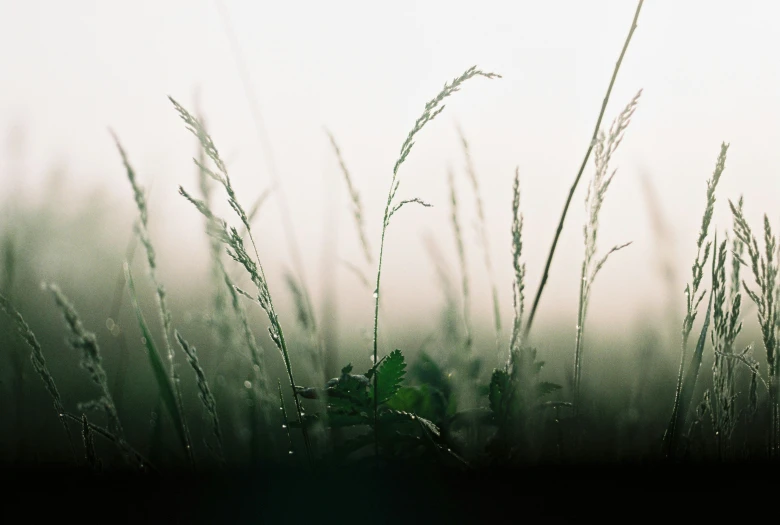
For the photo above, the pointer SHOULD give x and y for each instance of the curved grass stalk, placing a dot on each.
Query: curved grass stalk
(236, 249)
(432, 109)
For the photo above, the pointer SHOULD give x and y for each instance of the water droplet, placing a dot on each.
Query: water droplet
(371, 357)
(376, 293)
(290, 452)
(110, 324)
(247, 384)
(284, 426)
(256, 368)
(143, 341)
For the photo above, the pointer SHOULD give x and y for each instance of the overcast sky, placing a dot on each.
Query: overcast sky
(364, 70)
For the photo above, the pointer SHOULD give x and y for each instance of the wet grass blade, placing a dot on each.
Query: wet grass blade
(160, 374)
(680, 412)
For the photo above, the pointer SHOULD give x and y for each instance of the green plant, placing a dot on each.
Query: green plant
(432, 109)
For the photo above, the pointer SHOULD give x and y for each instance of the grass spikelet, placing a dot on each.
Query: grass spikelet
(236, 249)
(432, 109)
(91, 360)
(518, 285)
(604, 150)
(204, 392)
(692, 301)
(765, 268)
(357, 206)
(464, 275)
(483, 236)
(39, 364)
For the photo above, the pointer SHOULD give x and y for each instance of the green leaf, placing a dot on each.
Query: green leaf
(390, 375)
(160, 374)
(544, 388)
(407, 399)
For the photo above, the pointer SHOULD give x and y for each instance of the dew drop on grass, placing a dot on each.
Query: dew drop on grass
(290, 452)
(110, 324)
(376, 293)
(256, 368)
(143, 341)
(284, 426)
(247, 384)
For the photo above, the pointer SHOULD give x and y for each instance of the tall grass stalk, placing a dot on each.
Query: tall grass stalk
(432, 109)
(766, 269)
(236, 249)
(593, 141)
(91, 360)
(605, 148)
(692, 301)
(464, 274)
(142, 230)
(483, 236)
(39, 364)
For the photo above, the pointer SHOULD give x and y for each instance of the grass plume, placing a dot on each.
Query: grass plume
(142, 230)
(605, 148)
(518, 284)
(235, 246)
(432, 109)
(765, 268)
(692, 301)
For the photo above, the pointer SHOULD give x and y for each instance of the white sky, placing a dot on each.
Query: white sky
(708, 70)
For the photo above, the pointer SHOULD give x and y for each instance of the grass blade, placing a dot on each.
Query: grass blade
(160, 374)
